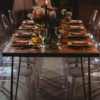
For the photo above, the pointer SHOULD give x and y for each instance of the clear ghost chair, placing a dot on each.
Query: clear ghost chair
(91, 23)
(7, 27)
(95, 61)
(90, 29)
(96, 32)
(72, 73)
(28, 61)
(13, 20)
(32, 73)
(8, 33)
(3, 40)
(73, 79)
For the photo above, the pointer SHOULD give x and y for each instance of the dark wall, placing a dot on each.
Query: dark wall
(86, 8)
(5, 5)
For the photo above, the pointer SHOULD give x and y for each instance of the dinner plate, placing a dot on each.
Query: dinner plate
(23, 34)
(21, 43)
(79, 44)
(27, 27)
(77, 27)
(78, 35)
(76, 21)
(28, 22)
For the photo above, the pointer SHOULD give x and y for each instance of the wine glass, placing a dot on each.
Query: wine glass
(58, 34)
(42, 35)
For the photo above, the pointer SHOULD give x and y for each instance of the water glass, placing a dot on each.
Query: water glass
(42, 34)
(58, 34)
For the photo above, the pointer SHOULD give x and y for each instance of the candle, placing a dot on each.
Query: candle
(46, 2)
(46, 13)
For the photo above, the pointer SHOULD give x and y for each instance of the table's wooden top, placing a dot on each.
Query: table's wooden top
(65, 50)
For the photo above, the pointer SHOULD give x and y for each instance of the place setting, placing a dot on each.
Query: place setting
(27, 27)
(76, 22)
(80, 45)
(28, 22)
(22, 44)
(78, 35)
(24, 34)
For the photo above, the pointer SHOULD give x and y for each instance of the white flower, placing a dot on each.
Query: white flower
(52, 15)
(41, 11)
(63, 11)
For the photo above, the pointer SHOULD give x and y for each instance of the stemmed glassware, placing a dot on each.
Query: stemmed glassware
(58, 32)
(42, 34)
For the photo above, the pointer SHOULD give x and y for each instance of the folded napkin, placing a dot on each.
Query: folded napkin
(27, 26)
(28, 22)
(77, 27)
(24, 42)
(76, 21)
(81, 43)
(24, 33)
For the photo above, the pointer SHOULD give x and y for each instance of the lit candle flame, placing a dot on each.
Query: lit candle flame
(46, 2)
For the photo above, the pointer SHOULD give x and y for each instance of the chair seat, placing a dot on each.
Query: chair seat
(6, 71)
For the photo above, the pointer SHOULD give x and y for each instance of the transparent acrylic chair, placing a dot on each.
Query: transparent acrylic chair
(91, 23)
(94, 61)
(8, 35)
(71, 76)
(8, 30)
(31, 74)
(13, 20)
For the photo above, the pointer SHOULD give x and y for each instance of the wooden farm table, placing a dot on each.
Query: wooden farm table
(65, 51)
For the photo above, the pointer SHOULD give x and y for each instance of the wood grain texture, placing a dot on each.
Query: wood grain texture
(65, 50)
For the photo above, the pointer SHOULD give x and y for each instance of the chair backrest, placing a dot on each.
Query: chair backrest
(3, 38)
(96, 33)
(7, 26)
(12, 19)
(92, 21)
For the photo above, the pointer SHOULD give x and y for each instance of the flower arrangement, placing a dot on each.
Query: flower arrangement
(38, 14)
(66, 15)
(53, 15)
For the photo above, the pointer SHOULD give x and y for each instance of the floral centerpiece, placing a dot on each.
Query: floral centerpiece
(39, 15)
(52, 17)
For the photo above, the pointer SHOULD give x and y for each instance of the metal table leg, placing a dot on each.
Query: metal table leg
(11, 88)
(89, 81)
(83, 79)
(18, 78)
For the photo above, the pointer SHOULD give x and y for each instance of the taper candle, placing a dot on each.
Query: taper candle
(46, 13)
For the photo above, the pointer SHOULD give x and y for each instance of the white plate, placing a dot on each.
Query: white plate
(21, 44)
(23, 34)
(76, 21)
(79, 44)
(78, 35)
(77, 27)
(28, 22)
(27, 27)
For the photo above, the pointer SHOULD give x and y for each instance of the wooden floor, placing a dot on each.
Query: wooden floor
(51, 86)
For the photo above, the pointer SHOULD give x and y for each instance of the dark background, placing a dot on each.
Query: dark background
(69, 4)
(81, 9)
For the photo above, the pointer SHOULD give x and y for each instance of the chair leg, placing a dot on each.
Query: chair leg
(41, 63)
(3, 82)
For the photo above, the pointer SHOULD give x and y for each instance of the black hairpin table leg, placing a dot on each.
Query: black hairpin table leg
(11, 88)
(18, 78)
(83, 79)
(89, 81)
